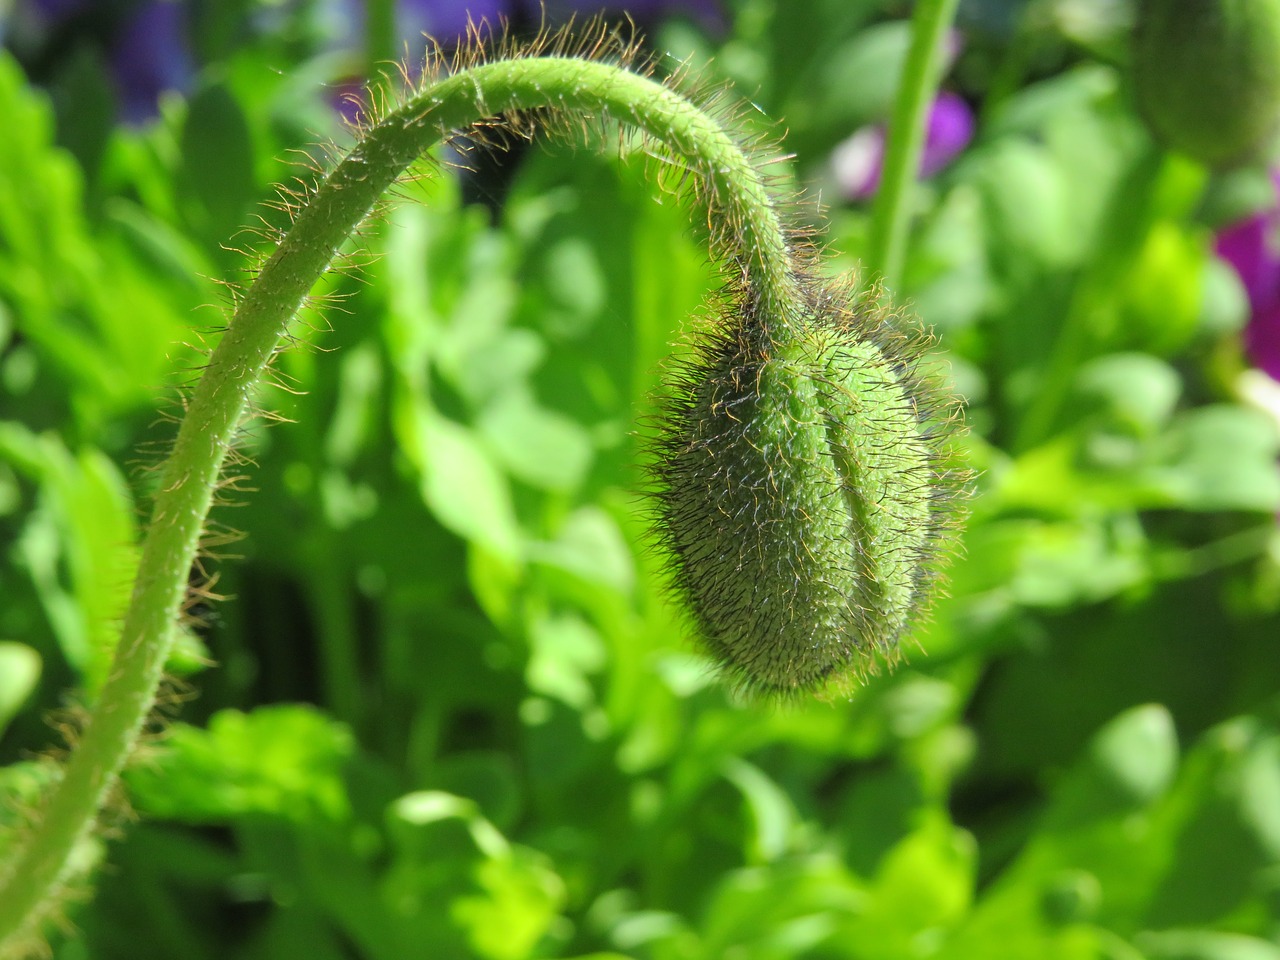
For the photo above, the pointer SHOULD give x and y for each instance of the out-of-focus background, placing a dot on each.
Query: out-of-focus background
(448, 710)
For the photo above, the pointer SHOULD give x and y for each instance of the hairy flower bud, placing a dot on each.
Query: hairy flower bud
(803, 492)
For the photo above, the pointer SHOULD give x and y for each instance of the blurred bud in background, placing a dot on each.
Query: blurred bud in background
(1206, 76)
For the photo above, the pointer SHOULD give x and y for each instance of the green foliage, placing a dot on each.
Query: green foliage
(454, 711)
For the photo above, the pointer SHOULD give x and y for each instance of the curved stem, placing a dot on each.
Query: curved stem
(746, 231)
(891, 213)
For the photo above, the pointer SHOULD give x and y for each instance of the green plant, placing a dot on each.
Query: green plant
(835, 491)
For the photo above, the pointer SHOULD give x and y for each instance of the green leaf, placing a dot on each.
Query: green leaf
(1205, 945)
(1222, 824)
(462, 486)
(785, 910)
(1027, 206)
(80, 547)
(1136, 390)
(1220, 457)
(101, 326)
(590, 546)
(283, 761)
(217, 162)
(772, 812)
(1159, 300)
(859, 80)
(566, 653)
(1129, 764)
(923, 887)
(19, 674)
(543, 448)
(520, 899)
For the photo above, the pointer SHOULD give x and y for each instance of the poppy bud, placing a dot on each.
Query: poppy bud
(801, 492)
(1206, 75)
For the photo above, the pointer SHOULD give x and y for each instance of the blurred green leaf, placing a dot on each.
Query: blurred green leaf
(1136, 389)
(283, 761)
(520, 900)
(1129, 764)
(19, 674)
(1221, 458)
(79, 548)
(1223, 825)
(92, 315)
(541, 447)
(460, 483)
(566, 653)
(1205, 945)
(217, 162)
(922, 889)
(772, 812)
(859, 79)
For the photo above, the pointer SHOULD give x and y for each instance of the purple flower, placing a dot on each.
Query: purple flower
(706, 13)
(56, 10)
(859, 160)
(445, 21)
(150, 56)
(442, 20)
(1252, 247)
(145, 45)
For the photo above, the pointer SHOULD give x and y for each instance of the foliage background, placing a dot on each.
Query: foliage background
(452, 712)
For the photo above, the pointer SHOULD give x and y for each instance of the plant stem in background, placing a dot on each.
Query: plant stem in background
(891, 213)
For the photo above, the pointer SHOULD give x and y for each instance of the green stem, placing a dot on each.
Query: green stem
(891, 213)
(746, 232)
(380, 37)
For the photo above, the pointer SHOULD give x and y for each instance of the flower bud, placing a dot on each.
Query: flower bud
(1206, 75)
(801, 495)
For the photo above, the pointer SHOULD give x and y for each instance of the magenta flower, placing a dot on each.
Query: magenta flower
(1252, 247)
(859, 161)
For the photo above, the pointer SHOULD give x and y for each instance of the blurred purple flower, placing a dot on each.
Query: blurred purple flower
(150, 56)
(445, 21)
(859, 160)
(144, 44)
(55, 10)
(436, 18)
(708, 14)
(1252, 247)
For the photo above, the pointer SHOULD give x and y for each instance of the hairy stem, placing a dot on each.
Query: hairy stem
(753, 241)
(891, 213)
